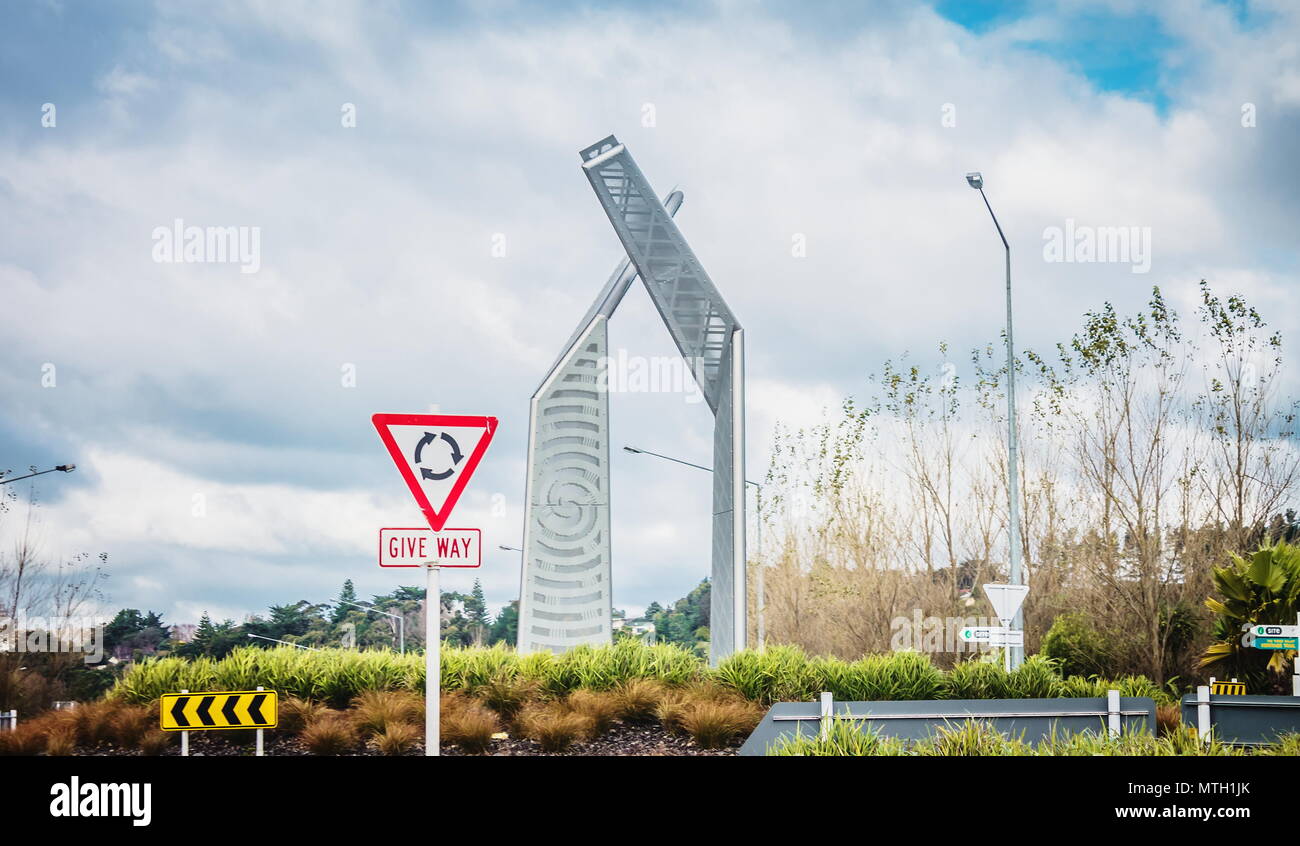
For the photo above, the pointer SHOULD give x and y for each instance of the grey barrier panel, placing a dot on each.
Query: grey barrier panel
(1031, 720)
(1247, 720)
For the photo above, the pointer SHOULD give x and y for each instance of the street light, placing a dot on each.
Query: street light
(401, 622)
(976, 181)
(285, 642)
(758, 499)
(62, 468)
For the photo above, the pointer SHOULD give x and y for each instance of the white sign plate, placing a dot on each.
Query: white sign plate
(416, 547)
(1006, 600)
(993, 636)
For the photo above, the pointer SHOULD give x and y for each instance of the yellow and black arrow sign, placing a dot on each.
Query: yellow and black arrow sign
(247, 709)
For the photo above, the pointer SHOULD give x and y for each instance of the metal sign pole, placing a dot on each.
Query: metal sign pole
(260, 748)
(432, 660)
(185, 739)
(1295, 678)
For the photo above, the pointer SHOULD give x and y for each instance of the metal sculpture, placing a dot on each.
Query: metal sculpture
(565, 590)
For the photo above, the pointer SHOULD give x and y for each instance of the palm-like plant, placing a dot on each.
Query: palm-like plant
(1264, 589)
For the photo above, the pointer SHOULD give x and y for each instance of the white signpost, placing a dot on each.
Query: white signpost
(436, 455)
(1006, 601)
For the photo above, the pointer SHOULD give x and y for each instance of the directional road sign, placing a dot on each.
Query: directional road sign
(1257, 641)
(414, 547)
(242, 709)
(993, 636)
(436, 454)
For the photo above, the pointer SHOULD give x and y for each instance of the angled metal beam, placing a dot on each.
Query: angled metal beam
(697, 317)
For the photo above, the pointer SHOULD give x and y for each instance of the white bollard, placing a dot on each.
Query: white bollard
(1203, 712)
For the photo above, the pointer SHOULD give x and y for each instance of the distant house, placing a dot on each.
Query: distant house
(183, 632)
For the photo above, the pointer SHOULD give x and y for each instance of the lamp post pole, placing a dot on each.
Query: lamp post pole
(1016, 577)
(401, 622)
(285, 642)
(62, 468)
(758, 501)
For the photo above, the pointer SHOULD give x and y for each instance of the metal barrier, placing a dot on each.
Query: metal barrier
(1241, 720)
(1032, 720)
(10, 720)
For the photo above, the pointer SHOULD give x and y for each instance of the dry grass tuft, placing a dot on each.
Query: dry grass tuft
(554, 726)
(600, 707)
(154, 742)
(398, 739)
(375, 710)
(61, 742)
(329, 735)
(470, 726)
(1169, 719)
(638, 699)
(297, 714)
(716, 724)
(129, 724)
(507, 695)
(93, 721)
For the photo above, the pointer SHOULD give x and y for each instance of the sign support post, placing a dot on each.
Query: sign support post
(185, 739)
(432, 660)
(260, 748)
(1295, 666)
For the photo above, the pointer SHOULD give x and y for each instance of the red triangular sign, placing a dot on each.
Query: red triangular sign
(436, 454)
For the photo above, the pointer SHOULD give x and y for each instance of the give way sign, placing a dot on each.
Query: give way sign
(436, 455)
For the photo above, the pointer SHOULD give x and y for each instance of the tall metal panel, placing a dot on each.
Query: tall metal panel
(710, 340)
(565, 581)
(565, 594)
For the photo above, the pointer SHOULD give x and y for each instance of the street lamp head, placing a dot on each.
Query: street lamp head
(976, 179)
(66, 468)
(631, 449)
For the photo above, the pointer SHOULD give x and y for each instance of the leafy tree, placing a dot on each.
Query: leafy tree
(505, 628)
(1264, 589)
(341, 609)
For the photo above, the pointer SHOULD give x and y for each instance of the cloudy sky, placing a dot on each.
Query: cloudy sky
(427, 240)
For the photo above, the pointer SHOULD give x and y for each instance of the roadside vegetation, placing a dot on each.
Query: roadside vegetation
(345, 702)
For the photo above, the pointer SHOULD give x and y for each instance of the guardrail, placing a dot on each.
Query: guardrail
(1241, 720)
(1032, 720)
(9, 721)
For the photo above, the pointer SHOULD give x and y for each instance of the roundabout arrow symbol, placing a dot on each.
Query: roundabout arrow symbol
(456, 456)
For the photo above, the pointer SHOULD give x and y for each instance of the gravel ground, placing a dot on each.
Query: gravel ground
(651, 740)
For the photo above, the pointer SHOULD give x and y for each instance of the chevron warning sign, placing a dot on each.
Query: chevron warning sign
(249, 709)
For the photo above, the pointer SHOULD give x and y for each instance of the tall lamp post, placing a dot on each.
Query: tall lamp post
(758, 502)
(62, 468)
(401, 622)
(976, 181)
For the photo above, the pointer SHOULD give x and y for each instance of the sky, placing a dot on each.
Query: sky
(426, 240)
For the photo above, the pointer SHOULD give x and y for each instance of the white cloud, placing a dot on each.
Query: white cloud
(376, 249)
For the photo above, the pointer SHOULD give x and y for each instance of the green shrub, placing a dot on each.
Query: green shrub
(1035, 678)
(976, 680)
(1077, 647)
